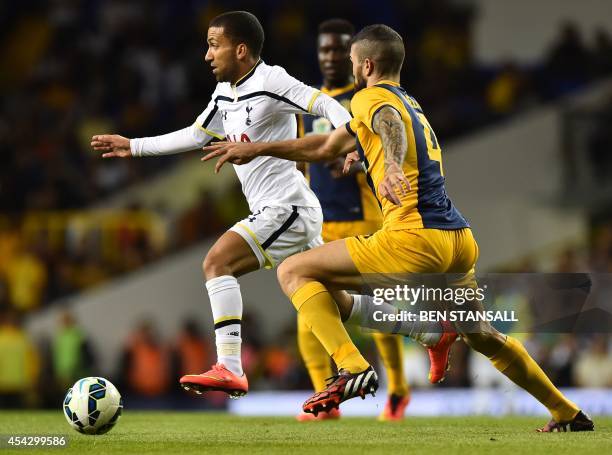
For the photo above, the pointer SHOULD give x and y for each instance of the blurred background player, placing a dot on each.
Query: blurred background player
(19, 362)
(349, 209)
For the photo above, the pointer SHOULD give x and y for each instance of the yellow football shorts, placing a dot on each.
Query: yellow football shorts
(414, 251)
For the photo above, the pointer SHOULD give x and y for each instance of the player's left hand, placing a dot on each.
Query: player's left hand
(234, 152)
(394, 185)
(350, 162)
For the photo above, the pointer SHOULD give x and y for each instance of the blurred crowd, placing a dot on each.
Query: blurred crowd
(45, 256)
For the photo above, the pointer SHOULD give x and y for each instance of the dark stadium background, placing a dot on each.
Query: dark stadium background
(72, 224)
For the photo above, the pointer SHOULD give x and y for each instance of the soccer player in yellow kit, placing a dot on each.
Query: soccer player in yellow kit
(349, 208)
(422, 231)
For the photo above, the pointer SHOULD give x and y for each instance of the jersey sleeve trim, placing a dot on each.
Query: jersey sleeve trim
(315, 95)
(210, 133)
(349, 129)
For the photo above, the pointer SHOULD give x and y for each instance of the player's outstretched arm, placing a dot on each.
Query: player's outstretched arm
(207, 126)
(316, 147)
(112, 145)
(190, 138)
(388, 124)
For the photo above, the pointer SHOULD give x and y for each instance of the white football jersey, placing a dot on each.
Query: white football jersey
(261, 106)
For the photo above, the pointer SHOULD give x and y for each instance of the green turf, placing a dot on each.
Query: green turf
(186, 433)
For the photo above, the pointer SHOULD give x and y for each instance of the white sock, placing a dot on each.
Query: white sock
(427, 333)
(226, 304)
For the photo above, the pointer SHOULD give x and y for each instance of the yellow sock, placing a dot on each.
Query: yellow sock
(391, 349)
(320, 313)
(316, 359)
(516, 363)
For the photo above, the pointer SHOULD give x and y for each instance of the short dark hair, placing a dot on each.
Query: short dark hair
(382, 44)
(241, 27)
(337, 26)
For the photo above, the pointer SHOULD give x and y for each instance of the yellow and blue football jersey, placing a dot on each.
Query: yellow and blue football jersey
(427, 204)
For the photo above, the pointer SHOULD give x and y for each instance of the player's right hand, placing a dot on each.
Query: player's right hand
(112, 144)
(234, 152)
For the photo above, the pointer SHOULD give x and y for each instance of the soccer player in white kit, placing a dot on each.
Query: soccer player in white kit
(253, 102)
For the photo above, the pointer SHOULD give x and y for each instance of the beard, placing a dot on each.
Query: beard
(226, 73)
(360, 82)
(221, 77)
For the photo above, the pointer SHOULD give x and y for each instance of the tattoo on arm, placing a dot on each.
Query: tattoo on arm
(388, 124)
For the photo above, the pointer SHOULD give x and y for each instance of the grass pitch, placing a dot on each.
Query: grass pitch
(197, 433)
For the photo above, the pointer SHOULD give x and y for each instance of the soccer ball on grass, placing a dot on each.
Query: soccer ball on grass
(93, 405)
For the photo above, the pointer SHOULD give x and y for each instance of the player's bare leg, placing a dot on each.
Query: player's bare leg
(329, 264)
(230, 257)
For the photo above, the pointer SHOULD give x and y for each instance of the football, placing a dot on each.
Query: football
(92, 406)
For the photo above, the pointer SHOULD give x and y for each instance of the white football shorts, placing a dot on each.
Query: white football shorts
(275, 233)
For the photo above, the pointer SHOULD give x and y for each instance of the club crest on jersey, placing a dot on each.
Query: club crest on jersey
(248, 111)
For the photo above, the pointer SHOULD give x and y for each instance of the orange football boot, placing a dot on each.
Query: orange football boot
(395, 408)
(219, 379)
(439, 355)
